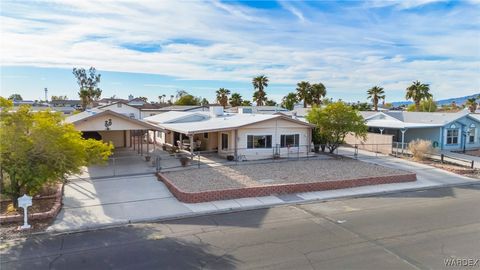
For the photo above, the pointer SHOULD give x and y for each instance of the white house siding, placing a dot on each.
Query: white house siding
(98, 124)
(276, 128)
(124, 109)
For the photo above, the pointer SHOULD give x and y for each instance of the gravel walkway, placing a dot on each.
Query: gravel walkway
(251, 175)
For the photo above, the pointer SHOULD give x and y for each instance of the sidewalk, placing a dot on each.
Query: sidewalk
(121, 200)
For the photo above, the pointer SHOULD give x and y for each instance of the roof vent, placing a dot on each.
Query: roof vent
(216, 111)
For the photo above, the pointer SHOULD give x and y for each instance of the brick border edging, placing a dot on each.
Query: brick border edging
(57, 205)
(225, 194)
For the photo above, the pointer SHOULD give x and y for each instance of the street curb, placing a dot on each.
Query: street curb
(248, 208)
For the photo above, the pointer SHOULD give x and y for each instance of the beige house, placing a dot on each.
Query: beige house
(116, 128)
(239, 135)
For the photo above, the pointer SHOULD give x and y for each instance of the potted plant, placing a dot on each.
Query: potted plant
(184, 161)
(164, 147)
(147, 158)
(173, 150)
(230, 158)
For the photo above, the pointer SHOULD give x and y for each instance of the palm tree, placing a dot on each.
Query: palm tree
(472, 104)
(222, 96)
(236, 100)
(259, 97)
(288, 101)
(259, 84)
(375, 94)
(417, 92)
(317, 92)
(303, 93)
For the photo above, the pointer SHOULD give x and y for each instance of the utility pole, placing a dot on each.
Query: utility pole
(46, 94)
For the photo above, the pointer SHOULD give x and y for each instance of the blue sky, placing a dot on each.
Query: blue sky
(149, 48)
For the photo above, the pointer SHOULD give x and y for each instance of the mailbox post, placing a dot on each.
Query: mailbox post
(25, 201)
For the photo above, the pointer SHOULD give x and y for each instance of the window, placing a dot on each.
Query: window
(224, 141)
(205, 135)
(452, 136)
(152, 114)
(471, 134)
(259, 141)
(119, 105)
(289, 140)
(132, 115)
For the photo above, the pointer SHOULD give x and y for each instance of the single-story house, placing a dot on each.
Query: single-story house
(447, 131)
(240, 135)
(113, 126)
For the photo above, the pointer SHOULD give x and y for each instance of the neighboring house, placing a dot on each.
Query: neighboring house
(241, 135)
(66, 103)
(122, 108)
(148, 110)
(137, 102)
(107, 101)
(256, 109)
(449, 131)
(111, 126)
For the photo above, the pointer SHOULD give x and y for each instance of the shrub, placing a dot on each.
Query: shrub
(420, 149)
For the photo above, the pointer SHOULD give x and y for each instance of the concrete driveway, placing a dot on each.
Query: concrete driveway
(90, 203)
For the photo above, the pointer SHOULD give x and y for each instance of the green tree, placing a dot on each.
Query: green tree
(317, 93)
(304, 93)
(181, 93)
(40, 148)
(222, 96)
(246, 103)
(270, 102)
(289, 101)
(259, 84)
(375, 94)
(472, 104)
(417, 92)
(89, 90)
(59, 98)
(16, 97)
(236, 100)
(426, 105)
(361, 106)
(143, 98)
(188, 99)
(335, 121)
(204, 102)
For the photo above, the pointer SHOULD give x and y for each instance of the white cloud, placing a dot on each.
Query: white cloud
(227, 42)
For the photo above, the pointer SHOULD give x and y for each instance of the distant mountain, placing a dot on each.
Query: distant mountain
(458, 100)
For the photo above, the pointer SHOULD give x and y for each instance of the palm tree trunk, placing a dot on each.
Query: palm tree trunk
(304, 103)
(417, 105)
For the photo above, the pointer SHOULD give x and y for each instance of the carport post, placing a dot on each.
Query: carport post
(154, 140)
(148, 141)
(190, 137)
(403, 130)
(132, 138)
(138, 141)
(141, 142)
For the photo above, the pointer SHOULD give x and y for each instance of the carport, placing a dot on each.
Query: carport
(118, 129)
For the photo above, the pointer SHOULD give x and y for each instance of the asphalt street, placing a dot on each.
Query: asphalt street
(409, 230)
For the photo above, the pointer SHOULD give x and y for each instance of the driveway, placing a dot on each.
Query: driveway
(90, 203)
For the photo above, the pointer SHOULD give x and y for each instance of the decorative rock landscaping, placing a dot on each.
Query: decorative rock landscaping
(253, 180)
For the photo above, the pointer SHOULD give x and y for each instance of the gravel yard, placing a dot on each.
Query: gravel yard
(254, 175)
